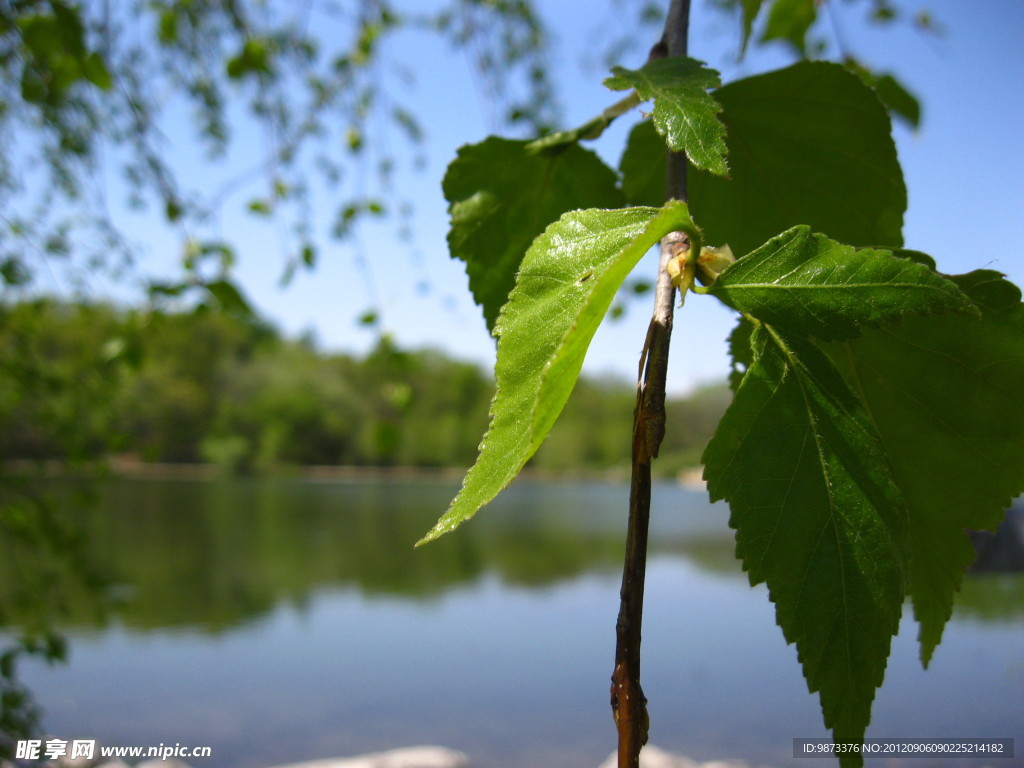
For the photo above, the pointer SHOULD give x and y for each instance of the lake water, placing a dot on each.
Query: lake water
(278, 621)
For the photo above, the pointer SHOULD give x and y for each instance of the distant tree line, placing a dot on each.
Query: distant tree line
(84, 381)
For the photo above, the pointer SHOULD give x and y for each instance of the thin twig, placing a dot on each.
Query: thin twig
(629, 705)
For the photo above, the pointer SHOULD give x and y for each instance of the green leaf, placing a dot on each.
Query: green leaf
(916, 256)
(809, 144)
(70, 28)
(260, 207)
(13, 271)
(34, 89)
(813, 286)
(898, 99)
(173, 209)
(893, 94)
(643, 166)
(308, 255)
(96, 71)
(684, 112)
(883, 13)
(408, 122)
(253, 59)
(740, 352)
(167, 26)
(817, 518)
(750, 10)
(230, 298)
(947, 396)
(167, 289)
(564, 288)
(789, 20)
(502, 196)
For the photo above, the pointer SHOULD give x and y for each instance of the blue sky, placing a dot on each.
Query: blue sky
(964, 170)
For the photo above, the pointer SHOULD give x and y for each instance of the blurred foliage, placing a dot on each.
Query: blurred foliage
(48, 579)
(60, 367)
(207, 386)
(107, 104)
(111, 105)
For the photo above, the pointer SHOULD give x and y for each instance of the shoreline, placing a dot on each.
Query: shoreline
(130, 467)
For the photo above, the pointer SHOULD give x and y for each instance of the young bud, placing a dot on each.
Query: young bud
(712, 261)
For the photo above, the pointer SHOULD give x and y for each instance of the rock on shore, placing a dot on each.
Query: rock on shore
(410, 757)
(654, 757)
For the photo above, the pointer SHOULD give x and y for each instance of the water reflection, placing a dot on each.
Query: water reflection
(288, 620)
(46, 573)
(217, 554)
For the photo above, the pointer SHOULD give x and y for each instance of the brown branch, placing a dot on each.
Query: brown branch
(629, 705)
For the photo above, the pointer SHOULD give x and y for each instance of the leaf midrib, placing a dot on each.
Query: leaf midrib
(795, 368)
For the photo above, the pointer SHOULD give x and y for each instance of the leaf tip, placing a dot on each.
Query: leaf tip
(441, 527)
(432, 535)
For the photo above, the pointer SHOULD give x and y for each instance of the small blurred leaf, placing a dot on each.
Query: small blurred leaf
(8, 659)
(56, 648)
(33, 87)
(14, 272)
(924, 21)
(229, 297)
(883, 12)
(57, 244)
(70, 30)
(253, 59)
(96, 72)
(167, 32)
(750, 10)
(354, 139)
(350, 213)
(260, 207)
(308, 255)
(173, 210)
(789, 20)
(896, 98)
(640, 287)
(409, 124)
(167, 289)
